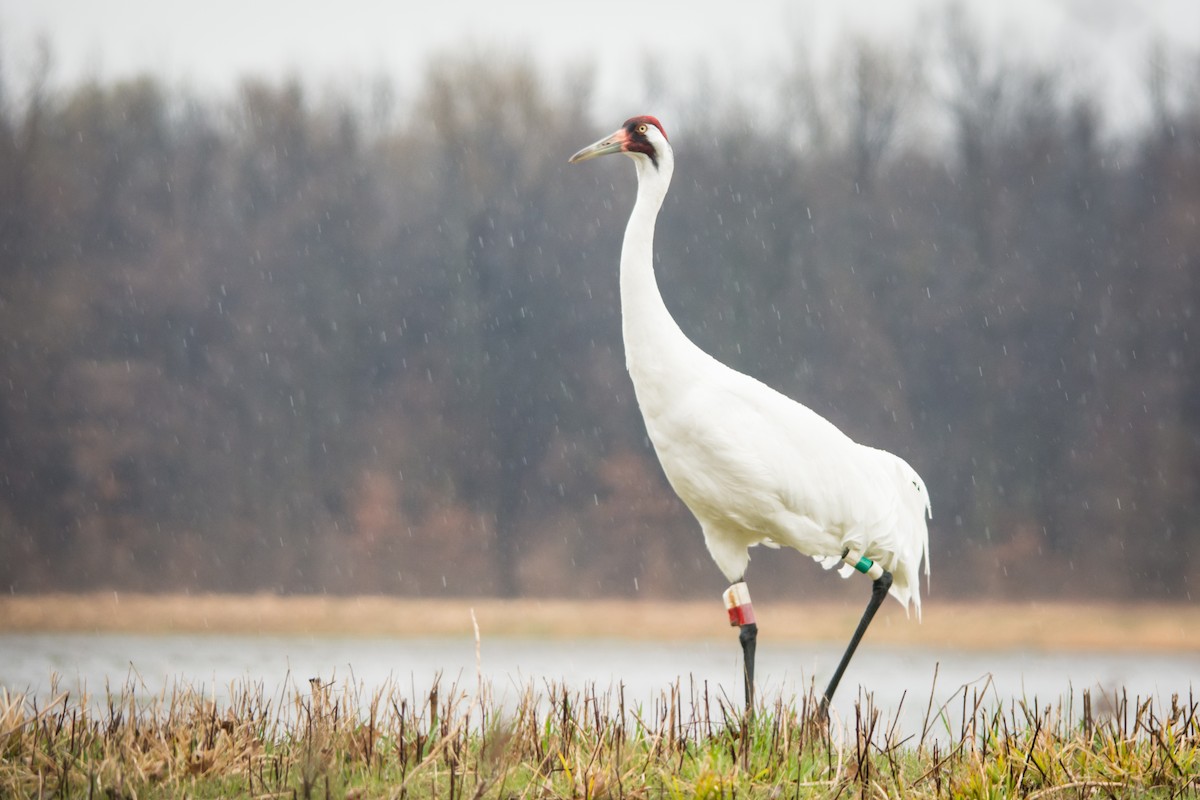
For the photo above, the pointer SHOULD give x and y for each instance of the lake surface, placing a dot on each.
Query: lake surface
(155, 664)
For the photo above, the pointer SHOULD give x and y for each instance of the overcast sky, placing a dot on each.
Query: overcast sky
(208, 45)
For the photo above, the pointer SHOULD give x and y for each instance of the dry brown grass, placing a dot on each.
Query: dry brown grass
(1134, 627)
(448, 742)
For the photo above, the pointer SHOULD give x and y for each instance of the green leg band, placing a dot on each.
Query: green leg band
(863, 564)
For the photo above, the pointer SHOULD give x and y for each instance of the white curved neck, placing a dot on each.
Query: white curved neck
(655, 348)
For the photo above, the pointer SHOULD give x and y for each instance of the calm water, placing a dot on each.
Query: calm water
(156, 663)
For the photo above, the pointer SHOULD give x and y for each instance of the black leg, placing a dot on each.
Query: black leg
(741, 615)
(879, 590)
(749, 637)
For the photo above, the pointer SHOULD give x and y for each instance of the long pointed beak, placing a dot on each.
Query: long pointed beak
(609, 144)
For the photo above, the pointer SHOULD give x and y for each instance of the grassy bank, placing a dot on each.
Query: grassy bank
(449, 742)
(1129, 627)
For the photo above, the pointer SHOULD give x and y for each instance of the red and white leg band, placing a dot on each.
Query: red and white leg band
(737, 601)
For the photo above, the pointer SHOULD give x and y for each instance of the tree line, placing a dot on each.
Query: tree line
(292, 341)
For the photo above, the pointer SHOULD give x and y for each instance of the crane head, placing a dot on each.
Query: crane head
(639, 136)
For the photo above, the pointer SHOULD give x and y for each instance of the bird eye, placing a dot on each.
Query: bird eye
(642, 128)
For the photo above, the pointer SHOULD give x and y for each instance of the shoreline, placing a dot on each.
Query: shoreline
(1069, 626)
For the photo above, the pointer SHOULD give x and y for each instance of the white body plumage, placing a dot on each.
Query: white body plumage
(753, 466)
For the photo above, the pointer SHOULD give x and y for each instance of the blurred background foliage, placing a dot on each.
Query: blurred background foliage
(298, 341)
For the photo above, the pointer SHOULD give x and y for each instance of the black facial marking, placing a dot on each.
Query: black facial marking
(636, 128)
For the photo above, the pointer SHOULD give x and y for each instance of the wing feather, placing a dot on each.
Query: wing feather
(756, 467)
